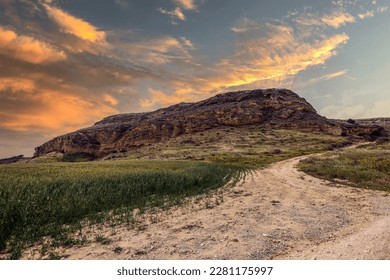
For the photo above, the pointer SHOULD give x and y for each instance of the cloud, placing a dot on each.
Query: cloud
(176, 13)
(186, 42)
(75, 26)
(272, 52)
(357, 111)
(367, 14)
(245, 25)
(336, 19)
(158, 97)
(110, 100)
(99, 73)
(187, 4)
(28, 49)
(16, 85)
(265, 55)
(44, 109)
(331, 75)
(53, 99)
(158, 50)
(322, 78)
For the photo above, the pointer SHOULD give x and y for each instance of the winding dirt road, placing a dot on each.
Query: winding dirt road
(275, 213)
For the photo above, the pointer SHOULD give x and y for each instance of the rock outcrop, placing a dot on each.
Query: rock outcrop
(270, 108)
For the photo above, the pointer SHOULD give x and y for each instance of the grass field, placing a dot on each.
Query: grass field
(37, 200)
(54, 196)
(364, 167)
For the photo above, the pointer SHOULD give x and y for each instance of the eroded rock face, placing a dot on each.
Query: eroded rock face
(270, 108)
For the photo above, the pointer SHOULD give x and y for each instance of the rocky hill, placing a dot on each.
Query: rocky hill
(267, 109)
(385, 122)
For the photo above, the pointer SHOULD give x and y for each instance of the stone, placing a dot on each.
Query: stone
(265, 108)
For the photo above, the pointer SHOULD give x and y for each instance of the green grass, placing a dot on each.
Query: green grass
(54, 196)
(103, 240)
(365, 167)
(249, 146)
(39, 199)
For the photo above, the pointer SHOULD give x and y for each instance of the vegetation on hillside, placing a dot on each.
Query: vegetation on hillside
(365, 167)
(247, 146)
(53, 197)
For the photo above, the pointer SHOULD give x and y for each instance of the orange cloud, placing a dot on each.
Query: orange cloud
(187, 4)
(274, 56)
(265, 55)
(158, 97)
(110, 100)
(69, 114)
(75, 26)
(16, 84)
(335, 19)
(338, 19)
(27, 48)
(54, 111)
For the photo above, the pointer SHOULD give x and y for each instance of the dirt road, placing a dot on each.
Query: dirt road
(275, 213)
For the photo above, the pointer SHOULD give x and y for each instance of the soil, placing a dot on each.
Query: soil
(274, 213)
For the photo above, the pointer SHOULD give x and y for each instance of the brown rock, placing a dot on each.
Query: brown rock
(269, 108)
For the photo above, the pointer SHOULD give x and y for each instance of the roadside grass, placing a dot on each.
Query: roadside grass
(364, 167)
(50, 199)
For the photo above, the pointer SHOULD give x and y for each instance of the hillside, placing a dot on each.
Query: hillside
(169, 177)
(272, 213)
(265, 109)
(385, 122)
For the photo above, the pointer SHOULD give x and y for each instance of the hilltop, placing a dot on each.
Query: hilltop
(170, 180)
(266, 109)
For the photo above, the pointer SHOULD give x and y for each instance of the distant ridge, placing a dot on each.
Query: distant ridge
(266, 108)
(12, 159)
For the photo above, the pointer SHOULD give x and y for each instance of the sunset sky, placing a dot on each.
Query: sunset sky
(65, 64)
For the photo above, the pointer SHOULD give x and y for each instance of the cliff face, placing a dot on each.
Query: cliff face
(270, 108)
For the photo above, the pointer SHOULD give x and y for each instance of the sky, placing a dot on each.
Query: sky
(66, 64)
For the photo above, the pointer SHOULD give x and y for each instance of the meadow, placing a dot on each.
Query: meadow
(248, 146)
(367, 167)
(50, 199)
(54, 197)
